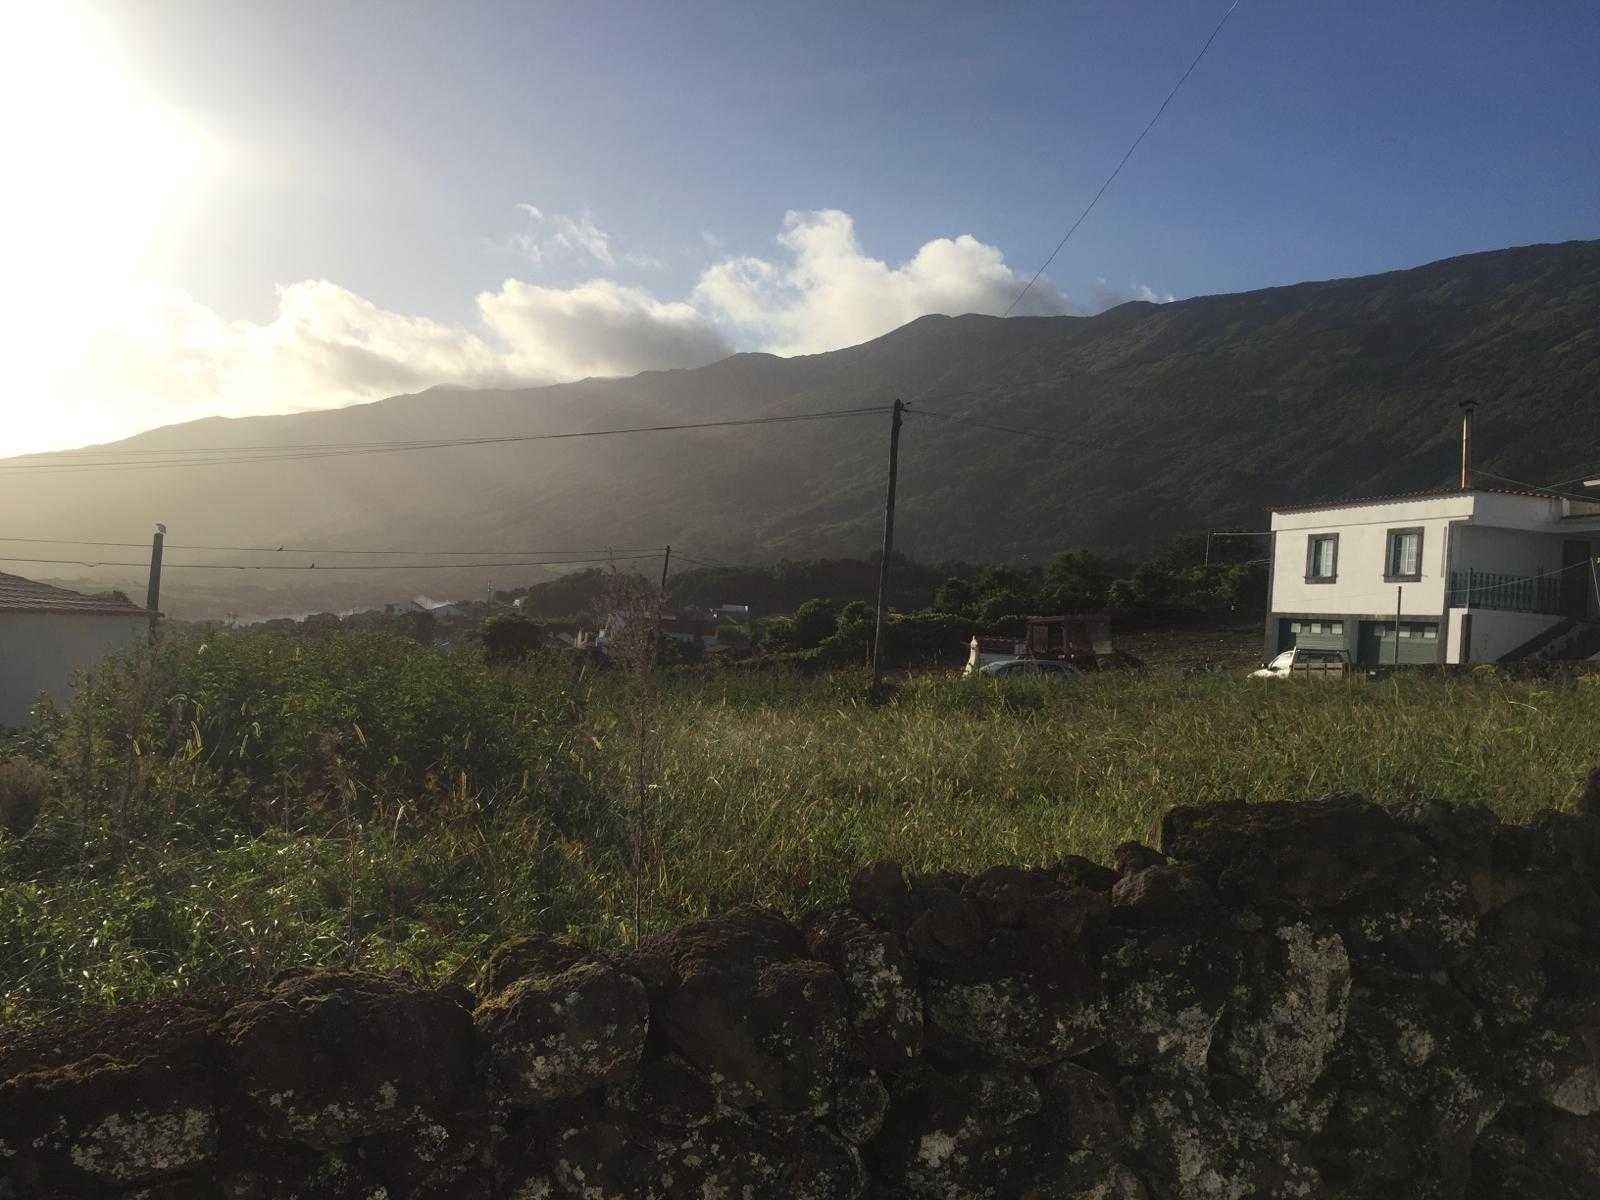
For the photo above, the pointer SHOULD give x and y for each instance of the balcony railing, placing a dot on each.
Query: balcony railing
(1510, 593)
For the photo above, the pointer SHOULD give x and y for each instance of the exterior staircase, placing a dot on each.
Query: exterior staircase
(1566, 641)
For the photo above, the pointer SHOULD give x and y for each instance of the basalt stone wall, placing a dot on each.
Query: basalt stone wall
(1317, 1000)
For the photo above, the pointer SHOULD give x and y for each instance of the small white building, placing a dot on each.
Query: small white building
(1477, 574)
(48, 633)
(1474, 573)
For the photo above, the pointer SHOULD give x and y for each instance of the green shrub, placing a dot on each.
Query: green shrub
(23, 787)
(814, 622)
(510, 639)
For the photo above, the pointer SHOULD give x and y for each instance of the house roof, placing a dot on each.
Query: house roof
(1425, 494)
(24, 595)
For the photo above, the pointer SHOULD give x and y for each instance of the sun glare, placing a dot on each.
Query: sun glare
(98, 171)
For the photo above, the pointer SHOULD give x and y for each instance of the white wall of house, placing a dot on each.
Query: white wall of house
(1486, 531)
(39, 651)
(1363, 530)
(1495, 633)
(1508, 551)
(1520, 512)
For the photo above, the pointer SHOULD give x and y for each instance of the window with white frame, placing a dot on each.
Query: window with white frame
(1403, 559)
(1322, 557)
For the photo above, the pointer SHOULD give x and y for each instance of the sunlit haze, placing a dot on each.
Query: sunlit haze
(227, 209)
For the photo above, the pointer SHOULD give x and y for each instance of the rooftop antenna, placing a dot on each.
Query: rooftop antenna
(1467, 408)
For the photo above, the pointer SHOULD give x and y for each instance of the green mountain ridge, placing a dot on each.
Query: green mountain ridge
(1151, 420)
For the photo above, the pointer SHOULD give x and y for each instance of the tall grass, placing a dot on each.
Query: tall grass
(269, 803)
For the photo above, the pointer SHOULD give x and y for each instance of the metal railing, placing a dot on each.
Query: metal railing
(1510, 593)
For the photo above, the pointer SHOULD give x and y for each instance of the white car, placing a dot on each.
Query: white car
(1304, 662)
(1028, 668)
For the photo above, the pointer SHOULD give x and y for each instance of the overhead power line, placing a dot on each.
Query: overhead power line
(1083, 216)
(1062, 436)
(229, 455)
(589, 550)
(434, 566)
(1537, 487)
(1045, 434)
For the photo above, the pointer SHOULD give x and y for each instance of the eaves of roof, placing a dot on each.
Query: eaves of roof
(26, 595)
(1427, 494)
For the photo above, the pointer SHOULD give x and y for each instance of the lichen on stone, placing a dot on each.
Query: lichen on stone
(144, 1143)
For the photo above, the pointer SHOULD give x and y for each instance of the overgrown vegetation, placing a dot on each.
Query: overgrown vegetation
(1182, 580)
(226, 808)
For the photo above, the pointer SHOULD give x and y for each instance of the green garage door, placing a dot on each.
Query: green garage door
(1322, 633)
(1418, 642)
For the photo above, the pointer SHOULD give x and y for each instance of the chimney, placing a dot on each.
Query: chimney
(1467, 407)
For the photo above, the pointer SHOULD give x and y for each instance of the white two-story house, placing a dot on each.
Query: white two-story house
(1479, 574)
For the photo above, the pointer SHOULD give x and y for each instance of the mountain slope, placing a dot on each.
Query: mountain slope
(1199, 413)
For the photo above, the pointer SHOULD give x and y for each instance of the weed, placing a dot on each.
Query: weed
(362, 799)
(23, 785)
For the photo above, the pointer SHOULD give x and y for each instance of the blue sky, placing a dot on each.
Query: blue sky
(383, 153)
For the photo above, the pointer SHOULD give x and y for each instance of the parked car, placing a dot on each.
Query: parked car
(1304, 662)
(1028, 668)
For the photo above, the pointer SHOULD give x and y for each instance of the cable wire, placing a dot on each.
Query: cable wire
(1182, 79)
(166, 566)
(588, 550)
(1061, 436)
(68, 463)
(1539, 487)
(1046, 435)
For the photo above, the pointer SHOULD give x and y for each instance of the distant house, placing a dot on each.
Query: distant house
(1472, 574)
(732, 612)
(47, 633)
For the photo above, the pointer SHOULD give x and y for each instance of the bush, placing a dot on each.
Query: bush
(23, 786)
(814, 623)
(510, 639)
(955, 595)
(855, 613)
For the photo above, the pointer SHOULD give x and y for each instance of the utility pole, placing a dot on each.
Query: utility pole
(661, 594)
(888, 544)
(152, 600)
(1398, 592)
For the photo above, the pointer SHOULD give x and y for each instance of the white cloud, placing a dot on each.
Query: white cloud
(597, 328)
(121, 358)
(157, 356)
(830, 293)
(572, 239)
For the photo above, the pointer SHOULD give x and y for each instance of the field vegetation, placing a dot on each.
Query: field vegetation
(238, 803)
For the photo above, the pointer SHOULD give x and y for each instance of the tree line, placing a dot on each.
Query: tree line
(1181, 582)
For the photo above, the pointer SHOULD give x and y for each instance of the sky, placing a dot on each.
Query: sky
(220, 208)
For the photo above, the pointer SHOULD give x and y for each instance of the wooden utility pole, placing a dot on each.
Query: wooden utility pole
(888, 544)
(152, 601)
(661, 596)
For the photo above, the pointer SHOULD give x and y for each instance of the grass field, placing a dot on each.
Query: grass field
(216, 815)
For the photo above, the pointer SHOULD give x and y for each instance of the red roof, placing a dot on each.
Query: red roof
(24, 595)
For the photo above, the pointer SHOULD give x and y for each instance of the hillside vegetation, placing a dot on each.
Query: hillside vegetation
(1155, 418)
(236, 806)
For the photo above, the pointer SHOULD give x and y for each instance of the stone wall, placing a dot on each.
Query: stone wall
(1315, 1000)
